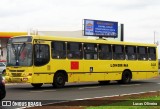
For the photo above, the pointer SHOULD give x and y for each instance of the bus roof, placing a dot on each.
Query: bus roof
(87, 40)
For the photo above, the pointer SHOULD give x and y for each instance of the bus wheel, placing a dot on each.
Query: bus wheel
(59, 80)
(103, 82)
(36, 85)
(126, 77)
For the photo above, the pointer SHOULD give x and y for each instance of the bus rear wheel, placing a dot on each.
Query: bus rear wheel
(59, 80)
(36, 85)
(126, 77)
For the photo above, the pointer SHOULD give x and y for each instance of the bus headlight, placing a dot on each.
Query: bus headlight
(25, 79)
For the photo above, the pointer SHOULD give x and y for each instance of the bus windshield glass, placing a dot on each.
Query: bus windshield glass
(19, 54)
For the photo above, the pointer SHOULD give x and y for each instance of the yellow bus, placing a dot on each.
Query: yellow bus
(56, 60)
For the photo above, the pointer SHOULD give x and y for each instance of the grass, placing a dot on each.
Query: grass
(130, 104)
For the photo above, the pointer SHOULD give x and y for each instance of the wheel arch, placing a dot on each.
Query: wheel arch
(64, 73)
(128, 70)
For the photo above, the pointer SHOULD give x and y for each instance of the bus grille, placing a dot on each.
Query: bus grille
(16, 74)
(16, 70)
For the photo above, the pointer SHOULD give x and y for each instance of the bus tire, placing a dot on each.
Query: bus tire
(104, 82)
(36, 85)
(59, 80)
(126, 77)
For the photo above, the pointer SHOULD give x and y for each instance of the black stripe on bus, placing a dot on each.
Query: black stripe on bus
(91, 72)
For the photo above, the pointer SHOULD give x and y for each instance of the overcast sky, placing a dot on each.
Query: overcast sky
(140, 17)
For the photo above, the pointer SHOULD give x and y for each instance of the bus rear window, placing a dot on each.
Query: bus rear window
(152, 53)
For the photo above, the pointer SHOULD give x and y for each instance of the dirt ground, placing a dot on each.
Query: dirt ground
(82, 104)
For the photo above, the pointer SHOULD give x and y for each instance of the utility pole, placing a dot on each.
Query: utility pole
(154, 37)
(122, 32)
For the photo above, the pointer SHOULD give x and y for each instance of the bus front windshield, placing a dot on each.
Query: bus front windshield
(19, 54)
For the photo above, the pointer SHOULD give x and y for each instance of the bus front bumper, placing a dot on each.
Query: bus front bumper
(18, 79)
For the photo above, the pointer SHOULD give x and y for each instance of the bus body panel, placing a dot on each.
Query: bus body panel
(79, 70)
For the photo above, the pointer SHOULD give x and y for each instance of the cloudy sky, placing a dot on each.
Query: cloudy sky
(141, 18)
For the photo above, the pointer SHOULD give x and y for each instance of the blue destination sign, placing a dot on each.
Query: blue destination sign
(100, 28)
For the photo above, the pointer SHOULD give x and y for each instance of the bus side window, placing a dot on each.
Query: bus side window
(118, 52)
(41, 54)
(58, 50)
(131, 52)
(90, 51)
(152, 53)
(142, 53)
(105, 52)
(74, 50)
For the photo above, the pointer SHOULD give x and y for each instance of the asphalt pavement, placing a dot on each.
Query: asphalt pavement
(76, 91)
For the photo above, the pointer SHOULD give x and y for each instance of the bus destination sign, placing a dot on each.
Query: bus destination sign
(100, 28)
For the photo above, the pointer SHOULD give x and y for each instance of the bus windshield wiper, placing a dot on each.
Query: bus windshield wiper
(21, 49)
(14, 49)
(17, 50)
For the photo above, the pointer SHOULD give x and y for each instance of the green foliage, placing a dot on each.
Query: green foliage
(129, 104)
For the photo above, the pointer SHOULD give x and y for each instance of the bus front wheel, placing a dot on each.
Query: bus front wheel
(126, 77)
(36, 85)
(59, 80)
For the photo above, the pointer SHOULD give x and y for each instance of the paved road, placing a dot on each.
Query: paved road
(78, 91)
